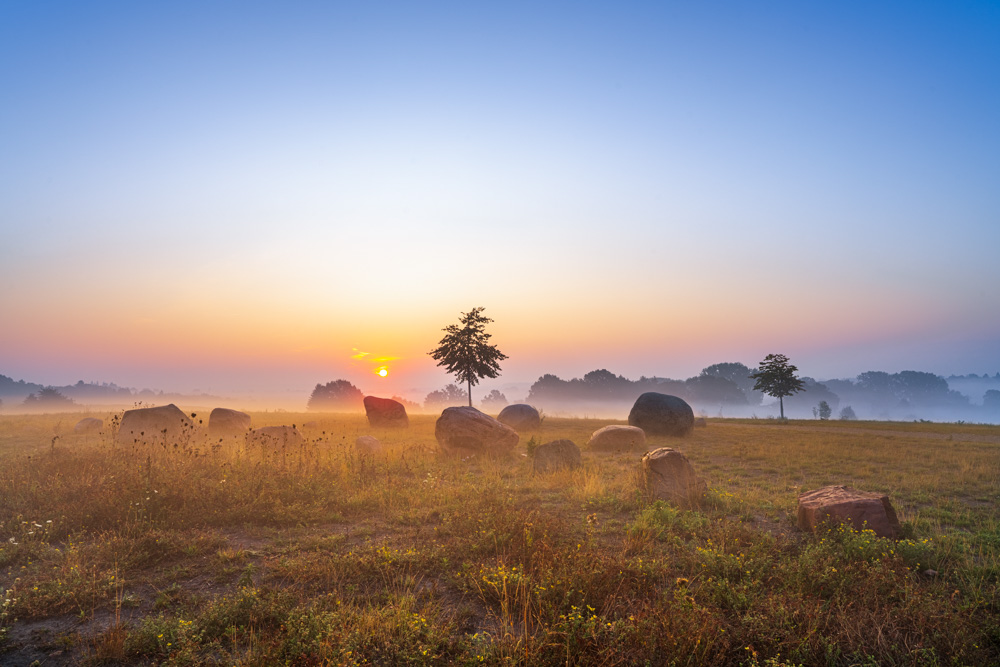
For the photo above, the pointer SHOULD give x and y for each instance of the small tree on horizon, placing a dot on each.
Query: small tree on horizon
(334, 396)
(776, 377)
(824, 410)
(48, 397)
(465, 351)
(450, 395)
(494, 400)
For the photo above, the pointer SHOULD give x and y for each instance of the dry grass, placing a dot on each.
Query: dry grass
(220, 553)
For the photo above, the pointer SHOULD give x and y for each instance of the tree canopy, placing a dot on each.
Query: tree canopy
(335, 395)
(465, 351)
(450, 395)
(776, 377)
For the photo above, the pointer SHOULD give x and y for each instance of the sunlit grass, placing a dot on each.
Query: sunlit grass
(220, 552)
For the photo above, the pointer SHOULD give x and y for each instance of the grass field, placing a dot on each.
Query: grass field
(198, 553)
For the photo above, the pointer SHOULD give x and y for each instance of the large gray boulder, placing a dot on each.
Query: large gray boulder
(662, 414)
(520, 417)
(556, 455)
(385, 413)
(668, 475)
(842, 504)
(223, 422)
(276, 436)
(88, 426)
(165, 424)
(466, 431)
(617, 438)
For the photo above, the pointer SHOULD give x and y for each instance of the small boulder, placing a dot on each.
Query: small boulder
(88, 426)
(520, 417)
(556, 455)
(617, 438)
(275, 436)
(662, 414)
(842, 504)
(223, 422)
(385, 413)
(668, 475)
(367, 445)
(465, 431)
(160, 425)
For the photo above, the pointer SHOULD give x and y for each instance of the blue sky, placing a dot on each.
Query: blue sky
(239, 194)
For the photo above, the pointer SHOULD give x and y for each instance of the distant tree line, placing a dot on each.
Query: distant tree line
(727, 388)
(727, 384)
(80, 392)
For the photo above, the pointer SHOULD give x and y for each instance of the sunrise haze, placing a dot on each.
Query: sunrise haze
(253, 198)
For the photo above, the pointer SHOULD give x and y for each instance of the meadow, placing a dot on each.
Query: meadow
(220, 553)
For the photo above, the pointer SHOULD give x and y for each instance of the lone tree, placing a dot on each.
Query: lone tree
(465, 351)
(776, 377)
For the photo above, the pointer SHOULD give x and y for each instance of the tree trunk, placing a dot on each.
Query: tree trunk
(781, 402)
(470, 393)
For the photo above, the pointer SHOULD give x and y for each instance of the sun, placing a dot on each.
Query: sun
(382, 372)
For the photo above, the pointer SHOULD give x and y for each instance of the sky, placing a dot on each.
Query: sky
(250, 197)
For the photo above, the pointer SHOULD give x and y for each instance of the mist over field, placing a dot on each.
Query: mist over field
(721, 390)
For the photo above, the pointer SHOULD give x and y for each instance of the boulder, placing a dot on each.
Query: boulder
(276, 436)
(617, 438)
(224, 421)
(385, 413)
(556, 455)
(662, 414)
(668, 475)
(88, 426)
(367, 444)
(165, 424)
(466, 431)
(842, 504)
(520, 417)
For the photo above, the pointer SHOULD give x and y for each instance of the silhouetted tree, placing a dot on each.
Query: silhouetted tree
(848, 413)
(336, 395)
(824, 410)
(494, 400)
(714, 389)
(450, 395)
(48, 397)
(465, 351)
(776, 377)
(737, 373)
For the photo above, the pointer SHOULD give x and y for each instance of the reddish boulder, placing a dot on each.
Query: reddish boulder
(466, 431)
(842, 504)
(668, 475)
(385, 413)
